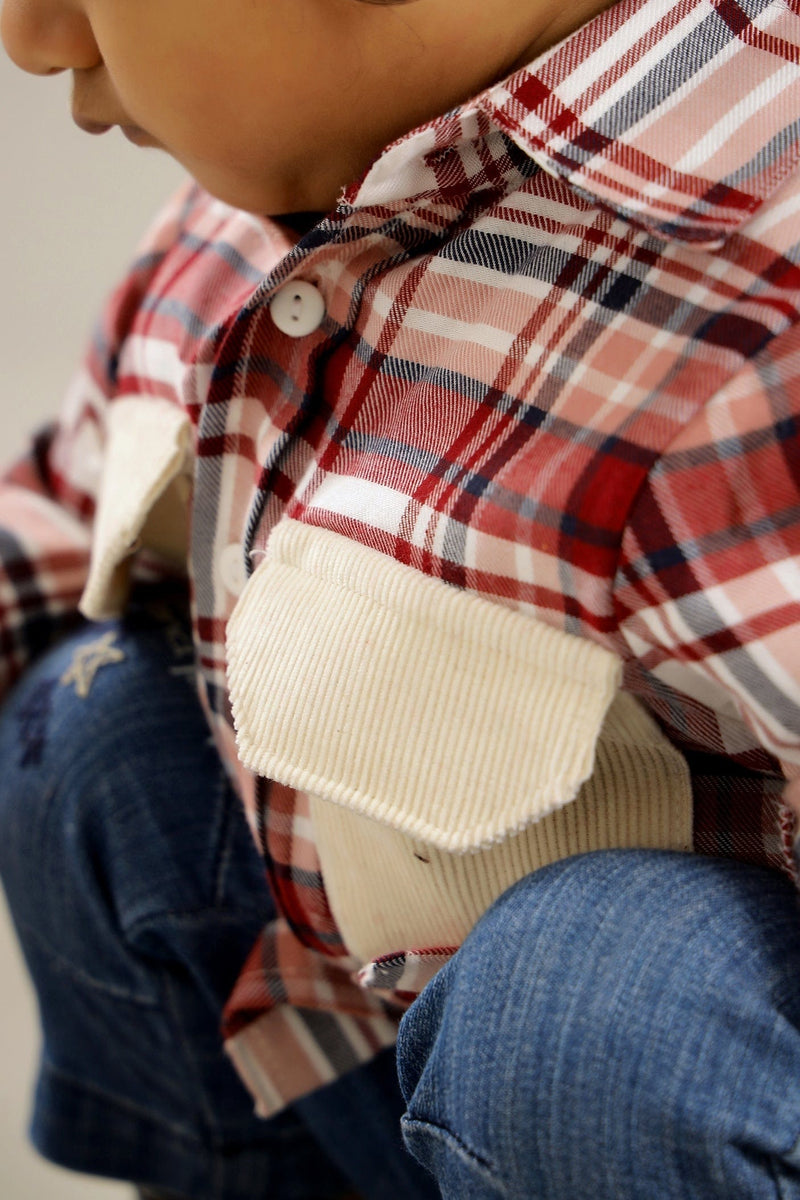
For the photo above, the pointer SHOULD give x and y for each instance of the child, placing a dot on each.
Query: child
(476, 438)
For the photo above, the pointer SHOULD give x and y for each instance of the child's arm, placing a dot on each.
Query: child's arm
(48, 497)
(709, 592)
(44, 548)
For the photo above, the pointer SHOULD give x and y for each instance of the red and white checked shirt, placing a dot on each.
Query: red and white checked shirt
(556, 365)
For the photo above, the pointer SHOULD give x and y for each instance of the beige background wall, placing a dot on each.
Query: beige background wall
(71, 208)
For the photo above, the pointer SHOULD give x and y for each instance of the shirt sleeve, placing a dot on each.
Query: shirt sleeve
(48, 496)
(708, 592)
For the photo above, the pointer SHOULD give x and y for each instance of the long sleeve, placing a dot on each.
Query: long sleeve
(709, 590)
(48, 497)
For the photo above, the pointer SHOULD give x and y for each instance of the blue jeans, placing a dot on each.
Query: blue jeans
(619, 1026)
(137, 892)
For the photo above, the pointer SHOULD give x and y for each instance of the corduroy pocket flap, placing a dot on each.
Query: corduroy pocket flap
(145, 476)
(454, 720)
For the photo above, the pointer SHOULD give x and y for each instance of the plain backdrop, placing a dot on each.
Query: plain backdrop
(72, 207)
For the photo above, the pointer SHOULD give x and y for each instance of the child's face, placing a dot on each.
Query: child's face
(273, 105)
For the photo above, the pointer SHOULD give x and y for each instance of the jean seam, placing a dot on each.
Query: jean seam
(442, 1134)
(213, 1140)
(120, 1102)
(81, 976)
(187, 915)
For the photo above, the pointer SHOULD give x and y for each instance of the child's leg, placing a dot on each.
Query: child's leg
(137, 893)
(620, 1026)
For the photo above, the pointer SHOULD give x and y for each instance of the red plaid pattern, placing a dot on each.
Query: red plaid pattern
(559, 367)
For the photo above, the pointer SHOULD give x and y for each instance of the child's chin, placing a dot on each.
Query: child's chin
(138, 136)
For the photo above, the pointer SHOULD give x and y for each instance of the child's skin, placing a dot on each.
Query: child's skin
(275, 105)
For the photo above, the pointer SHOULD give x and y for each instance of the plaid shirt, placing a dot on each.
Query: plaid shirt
(557, 365)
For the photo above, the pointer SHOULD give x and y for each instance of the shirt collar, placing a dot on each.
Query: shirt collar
(679, 115)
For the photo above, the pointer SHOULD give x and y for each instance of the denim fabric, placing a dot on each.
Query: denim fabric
(618, 1026)
(137, 892)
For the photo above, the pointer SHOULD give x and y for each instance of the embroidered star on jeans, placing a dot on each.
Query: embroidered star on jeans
(87, 661)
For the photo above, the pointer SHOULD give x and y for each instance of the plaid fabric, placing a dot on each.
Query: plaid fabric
(559, 367)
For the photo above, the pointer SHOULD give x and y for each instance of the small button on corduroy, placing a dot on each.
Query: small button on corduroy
(232, 569)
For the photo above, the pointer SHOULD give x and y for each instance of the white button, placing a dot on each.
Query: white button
(231, 568)
(298, 308)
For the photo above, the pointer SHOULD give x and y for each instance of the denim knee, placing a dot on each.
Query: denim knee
(137, 893)
(619, 1025)
(115, 809)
